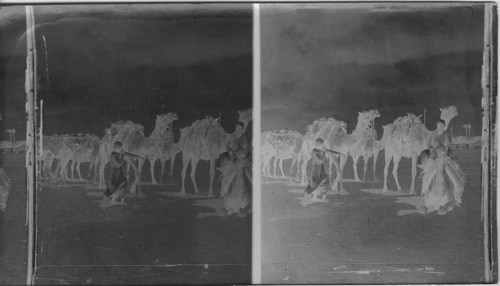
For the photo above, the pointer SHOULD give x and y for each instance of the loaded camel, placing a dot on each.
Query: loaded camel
(407, 140)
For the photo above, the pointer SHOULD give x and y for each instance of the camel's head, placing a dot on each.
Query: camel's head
(367, 117)
(245, 116)
(448, 113)
(167, 118)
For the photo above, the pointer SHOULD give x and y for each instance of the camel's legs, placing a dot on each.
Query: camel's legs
(304, 173)
(355, 159)
(281, 168)
(78, 170)
(275, 164)
(375, 156)
(73, 163)
(340, 167)
(172, 162)
(268, 167)
(294, 162)
(388, 159)
(152, 161)
(413, 173)
(140, 163)
(102, 165)
(185, 163)
(396, 158)
(337, 184)
(163, 163)
(212, 177)
(194, 165)
(91, 166)
(365, 167)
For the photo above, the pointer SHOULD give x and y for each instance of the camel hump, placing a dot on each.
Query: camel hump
(402, 126)
(199, 131)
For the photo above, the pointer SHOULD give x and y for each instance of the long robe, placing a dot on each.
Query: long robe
(443, 179)
(236, 186)
(319, 179)
(236, 183)
(116, 183)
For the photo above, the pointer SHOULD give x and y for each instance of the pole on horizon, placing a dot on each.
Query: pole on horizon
(425, 115)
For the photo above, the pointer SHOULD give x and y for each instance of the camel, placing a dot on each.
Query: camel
(134, 141)
(353, 144)
(65, 155)
(285, 144)
(85, 151)
(52, 146)
(372, 150)
(268, 151)
(174, 150)
(336, 138)
(407, 140)
(206, 140)
(320, 128)
(160, 144)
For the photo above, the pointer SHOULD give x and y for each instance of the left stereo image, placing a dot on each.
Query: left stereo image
(135, 123)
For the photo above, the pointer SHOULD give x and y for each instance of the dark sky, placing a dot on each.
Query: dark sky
(129, 62)
(338, 59)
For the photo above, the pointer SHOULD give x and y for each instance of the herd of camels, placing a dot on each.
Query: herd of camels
(406, 137)
(205, 140)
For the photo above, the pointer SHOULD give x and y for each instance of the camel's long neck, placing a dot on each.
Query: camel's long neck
(158, 131)
(385, 135)
(177, 147)
(360, 126)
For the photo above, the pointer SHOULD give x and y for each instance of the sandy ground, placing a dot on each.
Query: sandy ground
(158, 240)
(368, 237)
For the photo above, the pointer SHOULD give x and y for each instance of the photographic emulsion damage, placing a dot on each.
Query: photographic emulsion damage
(127, 143)
(409, 83)
(138, 148)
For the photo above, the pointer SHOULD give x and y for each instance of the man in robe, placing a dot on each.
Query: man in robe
(319, 180)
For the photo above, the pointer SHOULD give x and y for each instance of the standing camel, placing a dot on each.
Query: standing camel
(85, 151)
(205, 140)
(287, 145)
(52, 146)
(320, 128)
(268, 150)
(336, 138)
(373, 150)
(408, 139)
(352, 144)
(174, 150)
(160, 144)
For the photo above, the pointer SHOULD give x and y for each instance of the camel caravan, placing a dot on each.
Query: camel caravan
(406, 137)
(204, 139)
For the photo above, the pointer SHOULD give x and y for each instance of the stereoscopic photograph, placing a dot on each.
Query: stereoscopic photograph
(128, 150)
(372, 143)
(141, 116)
